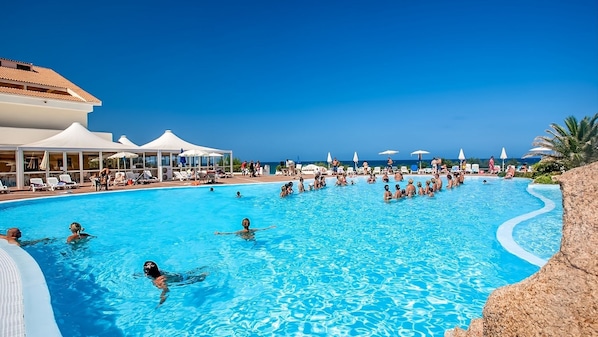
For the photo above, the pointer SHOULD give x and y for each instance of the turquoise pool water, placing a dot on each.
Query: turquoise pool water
(340, 262)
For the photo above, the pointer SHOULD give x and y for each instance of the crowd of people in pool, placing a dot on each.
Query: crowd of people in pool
(428, 188)
(161, 279)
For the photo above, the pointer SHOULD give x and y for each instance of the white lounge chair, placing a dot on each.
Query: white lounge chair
(3, 188)
(132, 176)
(37, 184)
(475, 168)
(377, 170)
(350, 170)
(54, 184)
(468, 168)
(119, 179)
(180, 175)
(66, 178)
(404, 170)
(147, 176)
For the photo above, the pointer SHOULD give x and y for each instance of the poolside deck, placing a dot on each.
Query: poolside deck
(88, 188)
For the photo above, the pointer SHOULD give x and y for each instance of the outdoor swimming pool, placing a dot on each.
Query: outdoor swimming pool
(340, 262)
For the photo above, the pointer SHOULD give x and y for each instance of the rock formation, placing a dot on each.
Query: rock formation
(561, 299)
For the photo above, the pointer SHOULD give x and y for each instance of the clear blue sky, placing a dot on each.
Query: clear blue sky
(272, 80)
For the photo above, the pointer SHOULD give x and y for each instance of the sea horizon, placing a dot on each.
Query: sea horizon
(401, 162)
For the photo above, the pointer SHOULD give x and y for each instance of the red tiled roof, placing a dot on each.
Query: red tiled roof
(45, 77)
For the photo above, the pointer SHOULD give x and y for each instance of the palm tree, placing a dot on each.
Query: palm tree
(574, 145)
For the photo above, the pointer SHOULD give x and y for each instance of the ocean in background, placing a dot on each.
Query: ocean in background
(402, 162)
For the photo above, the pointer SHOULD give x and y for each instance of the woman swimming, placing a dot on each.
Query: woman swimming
(162, 279)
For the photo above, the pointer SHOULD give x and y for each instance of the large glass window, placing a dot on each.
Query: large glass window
(8, 168)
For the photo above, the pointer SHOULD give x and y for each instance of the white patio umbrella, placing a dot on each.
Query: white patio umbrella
(213, 155)
(329, 159)
(503, 156)
(355, 159)
(45, 162)
(389, 152)
(120, 155)
(193, 153)
(127, 155)
(419, 154)
(461, 158)
(537, 152)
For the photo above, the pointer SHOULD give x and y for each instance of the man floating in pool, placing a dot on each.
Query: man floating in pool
(161, 279)
(12, 236)
(245, 233)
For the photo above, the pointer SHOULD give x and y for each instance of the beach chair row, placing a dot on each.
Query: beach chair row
(64, 181)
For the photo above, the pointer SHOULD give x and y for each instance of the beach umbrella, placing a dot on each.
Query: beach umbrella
(355, 159)
(419, 154)
(503, 156)
(388, 152)
(329, 159)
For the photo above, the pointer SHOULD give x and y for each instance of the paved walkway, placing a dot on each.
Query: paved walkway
(88, 188)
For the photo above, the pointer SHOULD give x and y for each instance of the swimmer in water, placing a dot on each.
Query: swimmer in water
(77, 234)
(245, 233)
(161, 279)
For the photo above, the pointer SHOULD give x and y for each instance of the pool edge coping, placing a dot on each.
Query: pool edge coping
(37, 312)
(504, 233)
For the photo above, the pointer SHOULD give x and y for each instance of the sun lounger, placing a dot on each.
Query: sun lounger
(475, 168)
(148, 177)
(54, 184)
(119, 179)
(404, 170)
(468, 168)
(180, 175)
(3, 188)
(66, 178)
(37, 184)
(377, 170)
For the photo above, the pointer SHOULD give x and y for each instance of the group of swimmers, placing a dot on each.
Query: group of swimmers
(159, 278)
(319, 183)
(431, 187)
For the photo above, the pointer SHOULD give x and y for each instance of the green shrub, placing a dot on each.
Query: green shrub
(501, 174)
(544, 179)
(547, 167)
